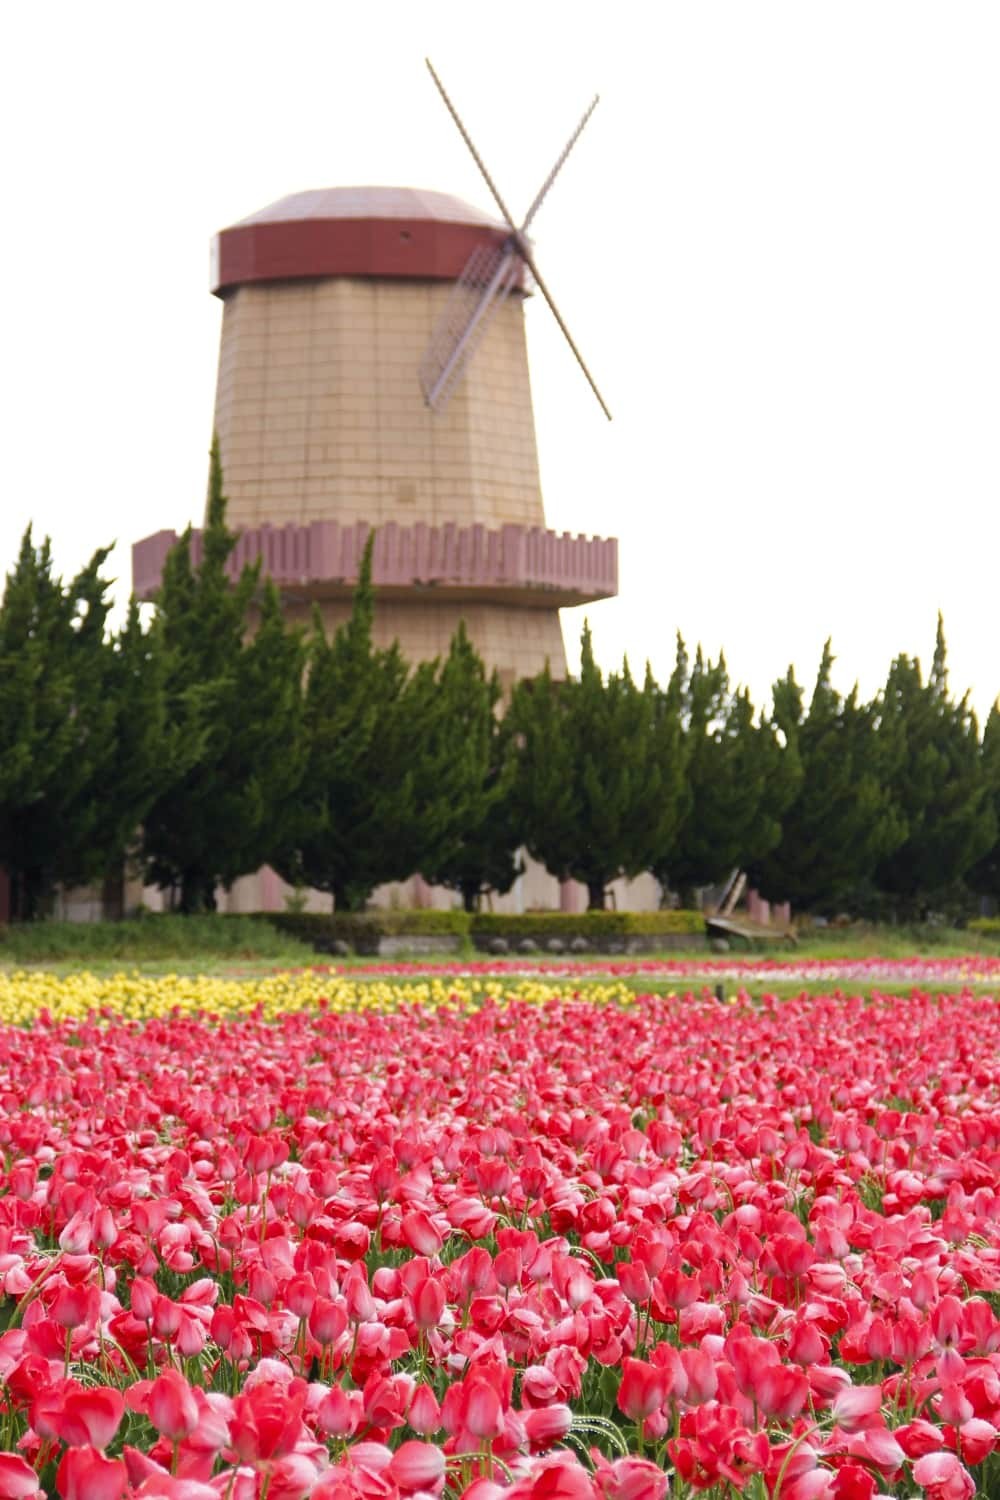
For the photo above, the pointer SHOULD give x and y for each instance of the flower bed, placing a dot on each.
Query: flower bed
(541, 1248)
(974, 969)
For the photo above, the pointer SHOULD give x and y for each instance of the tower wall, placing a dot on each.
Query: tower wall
(320, 415)
(516, 642)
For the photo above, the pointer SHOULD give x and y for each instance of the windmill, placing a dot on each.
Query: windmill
(326, 434)
(489, 276)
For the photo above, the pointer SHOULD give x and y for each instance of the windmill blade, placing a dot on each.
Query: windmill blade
(466, 137)
(560, 162)
(532, 267)
(489, 275)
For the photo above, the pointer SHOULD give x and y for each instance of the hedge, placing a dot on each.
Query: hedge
(594, 926)
(363, 931)
(988, 927)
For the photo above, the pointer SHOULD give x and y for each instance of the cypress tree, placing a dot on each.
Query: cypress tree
(147, 748)
(397, 761)
(234, 691)
(483, 856)
(357, 789)
(842, 820)
(600, 781)
(984, 876)
(739, 777)
(58, 718)
(938, 784)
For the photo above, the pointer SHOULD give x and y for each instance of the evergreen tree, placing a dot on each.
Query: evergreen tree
(937, 783)
(396, 761)
(600, 781)
(147, 748)
(484, 858)
(842, 820)
(57, 726)
(984, 876)
(234, 696)
(740, 780)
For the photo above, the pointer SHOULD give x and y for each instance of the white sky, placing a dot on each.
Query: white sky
(777, 244)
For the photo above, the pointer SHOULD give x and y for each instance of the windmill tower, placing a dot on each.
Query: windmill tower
(373, 372)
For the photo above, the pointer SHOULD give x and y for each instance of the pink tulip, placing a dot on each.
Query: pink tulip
(172, 1407)
(76, 1236)
(92, 1416)
(428, 1302)
(424, 1415)
(18, 1481)
(483, 1410)
(942, 1477)
(417, 1466)
(857, 1406)
(85, 1474)
(546, 1425)
(420, 1234)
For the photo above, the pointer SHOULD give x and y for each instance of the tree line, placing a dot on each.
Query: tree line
(215, 737)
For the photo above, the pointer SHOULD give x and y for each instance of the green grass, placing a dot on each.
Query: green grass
(237, 946)
(161, 938)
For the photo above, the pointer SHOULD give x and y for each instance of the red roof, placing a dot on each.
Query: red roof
(408, 233)
(415, 204)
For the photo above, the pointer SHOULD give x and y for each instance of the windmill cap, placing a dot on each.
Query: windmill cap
(393, 232)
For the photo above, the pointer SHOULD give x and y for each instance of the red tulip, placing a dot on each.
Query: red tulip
(850, 1482)
(635, 1282)
(327, 1320)
(557, 1478)
(267, 1422)
(642, 1389)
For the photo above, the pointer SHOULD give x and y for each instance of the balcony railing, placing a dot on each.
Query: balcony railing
(514, 564)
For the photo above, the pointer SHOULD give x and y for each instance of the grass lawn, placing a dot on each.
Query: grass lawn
(245, 947)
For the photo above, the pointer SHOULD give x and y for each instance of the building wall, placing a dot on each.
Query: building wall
(536, 890)
(320, 414)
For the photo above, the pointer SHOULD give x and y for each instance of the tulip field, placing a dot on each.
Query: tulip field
(501, 1235)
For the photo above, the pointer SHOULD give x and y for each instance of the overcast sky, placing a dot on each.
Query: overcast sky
(777, 245)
